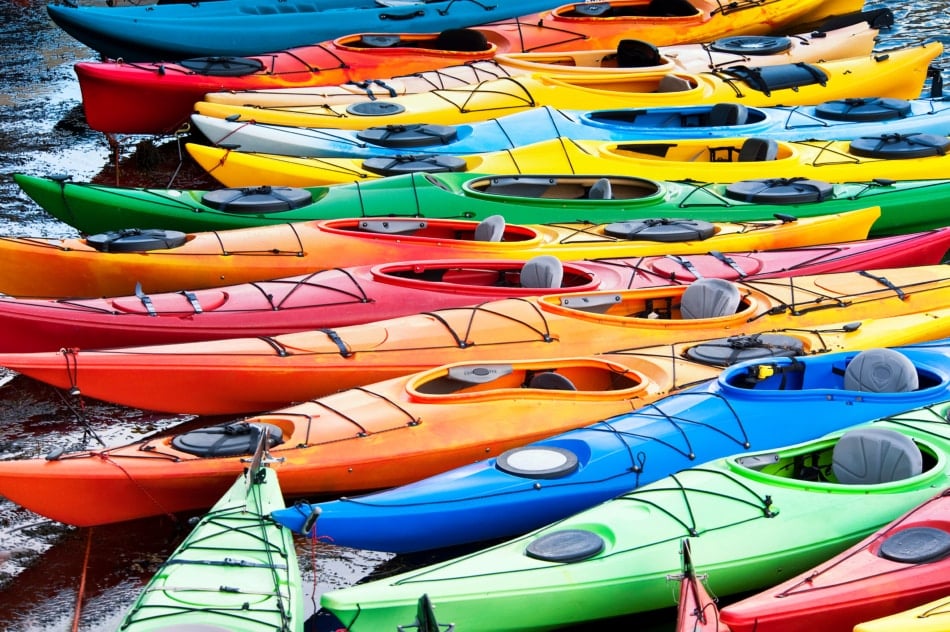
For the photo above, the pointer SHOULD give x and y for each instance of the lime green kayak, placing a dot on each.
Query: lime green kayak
(237, 570)
(752, 520)
(906, 206)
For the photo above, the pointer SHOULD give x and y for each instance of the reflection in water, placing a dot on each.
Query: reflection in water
(42, 132)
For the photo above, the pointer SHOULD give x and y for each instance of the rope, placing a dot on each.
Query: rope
(82, 580)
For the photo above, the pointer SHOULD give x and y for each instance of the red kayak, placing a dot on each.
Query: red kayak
(349, 296)
(902, 566)
(157, 98)
(696, 611)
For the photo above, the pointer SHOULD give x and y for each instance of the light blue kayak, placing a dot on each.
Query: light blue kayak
(758, 405)
(834, 120)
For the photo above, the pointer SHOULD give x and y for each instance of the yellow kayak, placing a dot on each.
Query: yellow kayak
(930, 617)
(890, 156)
(629, 56)
(899, 73)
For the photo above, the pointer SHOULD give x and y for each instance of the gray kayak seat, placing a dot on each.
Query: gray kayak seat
(881, 371)
(600, 190)
(551, 381)
(758, 150)
(490, 229)
(709, 298)
(672, 83)
(725, 114)
(543, 271)
(869, 456)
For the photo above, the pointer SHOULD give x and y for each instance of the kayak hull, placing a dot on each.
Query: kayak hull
(351, 296)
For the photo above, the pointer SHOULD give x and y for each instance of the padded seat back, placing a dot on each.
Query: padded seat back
(709, 298)
(723, 114)
(881, 371)
(869, 456)
(543, 271)
(758, 150)
(490, 229)
(672, 83)
(551, 381)
(600, 190)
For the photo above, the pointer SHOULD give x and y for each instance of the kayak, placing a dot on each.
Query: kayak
(930, 617)
(236, 570)
(897, 73)
(900, 566)
(512, 493)
(380, 435)
(750, 519)
(842, 119)
(157, 97)
(894, 156)
(252, 27)
(350, 296)
(241, 375)
(696, 610)
(906, 205)
(623, 56)
(400, 430)
(126, 262)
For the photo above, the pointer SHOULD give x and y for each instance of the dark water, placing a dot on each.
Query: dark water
(59, 578)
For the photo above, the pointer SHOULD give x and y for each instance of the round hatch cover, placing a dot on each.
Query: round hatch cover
(863, 110)
(223, 66)
(264, 199)
(396, 165)
(374, 108)
(728, 351)
(537, 462)
(916, 545)
(136, 240)
(570, 545)
(780, 190)
(662, 230)
(752, 44)
(398, 136)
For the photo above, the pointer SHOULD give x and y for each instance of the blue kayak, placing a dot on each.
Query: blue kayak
(844, 119)
(755, 405)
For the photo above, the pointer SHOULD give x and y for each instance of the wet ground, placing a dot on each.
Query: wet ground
(56, 578)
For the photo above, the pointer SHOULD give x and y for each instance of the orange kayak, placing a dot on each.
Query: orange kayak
(124, 262)
(253, 374)
(399, 430)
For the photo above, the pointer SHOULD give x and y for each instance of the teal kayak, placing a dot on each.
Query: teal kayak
(753, 520)
(906, 205)
(237, 570)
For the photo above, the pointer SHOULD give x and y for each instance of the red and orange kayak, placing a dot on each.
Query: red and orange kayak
(116, 263)
(158, 97)
(262, 373)
(395, 431)
(903, 565)
(350, 296)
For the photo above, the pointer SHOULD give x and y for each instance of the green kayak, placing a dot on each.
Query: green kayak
(906, 206)
(237, 570)
(753, 520)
